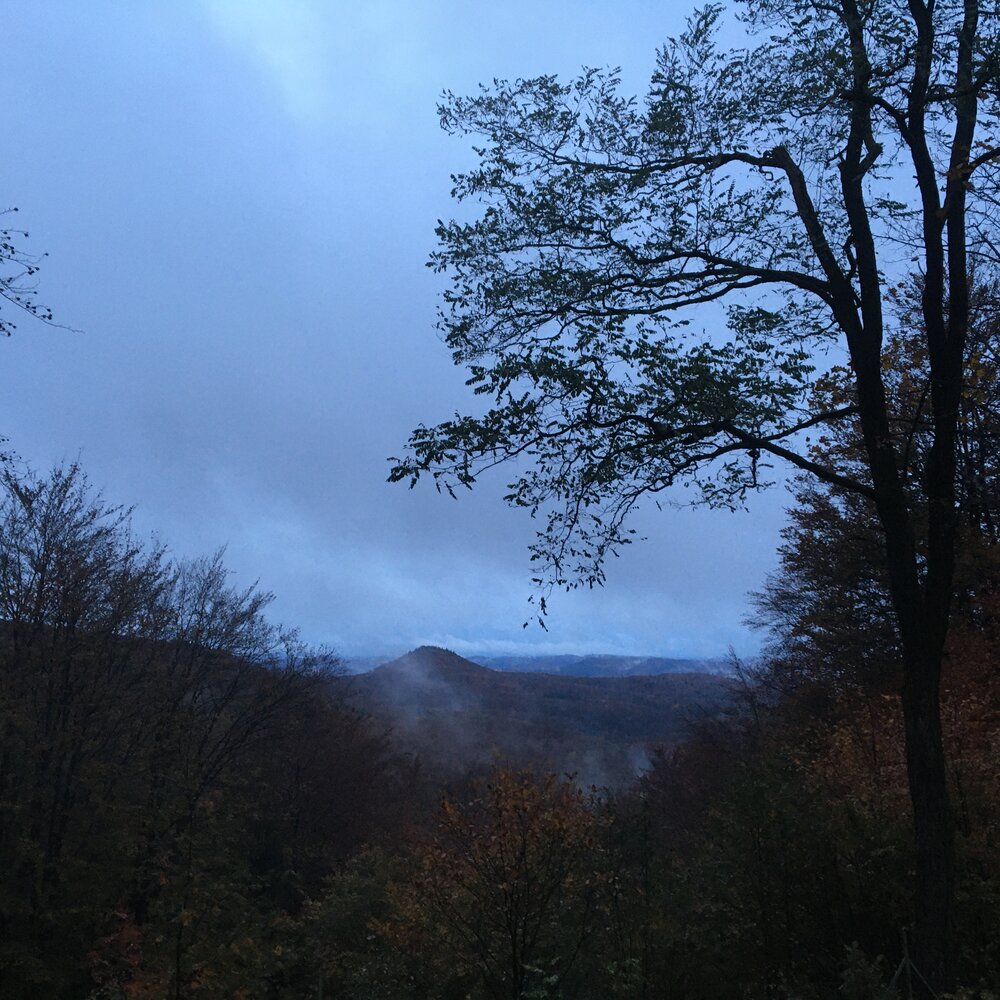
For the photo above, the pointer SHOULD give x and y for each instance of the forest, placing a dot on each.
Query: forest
(780, 266)
(193, 807)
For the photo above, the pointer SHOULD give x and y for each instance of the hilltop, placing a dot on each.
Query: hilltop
(458, 715)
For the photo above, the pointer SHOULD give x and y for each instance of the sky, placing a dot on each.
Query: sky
(238, 198)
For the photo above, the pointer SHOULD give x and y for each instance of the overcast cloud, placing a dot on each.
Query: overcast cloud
(238, 198)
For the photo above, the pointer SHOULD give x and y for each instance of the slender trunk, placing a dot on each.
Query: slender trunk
(921, 599)
(922, 618)
(933, 823)
(922, 626)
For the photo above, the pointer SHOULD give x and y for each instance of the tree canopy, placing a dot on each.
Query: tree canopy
(769, 180)
(777, 194)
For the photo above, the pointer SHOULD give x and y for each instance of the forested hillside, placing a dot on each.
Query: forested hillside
(458, 716)
(194, 806)
(780, 266)
(175, 778)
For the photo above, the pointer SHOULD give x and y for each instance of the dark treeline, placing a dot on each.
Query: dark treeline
(176, 776)
(191, 808)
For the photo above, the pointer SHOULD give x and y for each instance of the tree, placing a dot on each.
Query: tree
(75, 590)
(828, 607)
(18, 269)
(176, 773)
(509, 891)
(18, 273)
(774, 189)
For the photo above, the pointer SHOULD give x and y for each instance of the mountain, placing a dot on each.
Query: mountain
(458, 715)
(589, 665)
(598, 665)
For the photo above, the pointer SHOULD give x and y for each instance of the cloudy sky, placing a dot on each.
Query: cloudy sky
(238, 198)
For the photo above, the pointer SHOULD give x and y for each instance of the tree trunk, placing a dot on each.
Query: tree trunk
(933, 825)
(922, 614)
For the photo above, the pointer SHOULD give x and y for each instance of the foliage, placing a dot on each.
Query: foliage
(18, 271)
(164, 810)
(765, 181)
(508, 896)
(189, 810)
(829, 606)
(341, 926)
(605, 217)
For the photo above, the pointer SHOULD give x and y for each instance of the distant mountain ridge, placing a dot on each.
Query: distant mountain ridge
(603, 665)
(458, 715)
(569, 665)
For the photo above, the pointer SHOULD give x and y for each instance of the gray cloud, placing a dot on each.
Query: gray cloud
(238, 200)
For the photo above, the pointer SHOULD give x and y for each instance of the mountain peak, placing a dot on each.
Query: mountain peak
(434, 661)
(424, 651)
(459, 715)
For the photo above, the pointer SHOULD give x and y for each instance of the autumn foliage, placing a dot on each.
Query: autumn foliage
(191, 809)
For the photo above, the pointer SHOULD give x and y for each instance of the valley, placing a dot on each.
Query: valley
(458, 716)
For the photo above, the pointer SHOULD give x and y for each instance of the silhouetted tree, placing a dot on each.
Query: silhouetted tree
(828, 607)
(75, 594)
(18, 271)
(766, 180)
(177, 774)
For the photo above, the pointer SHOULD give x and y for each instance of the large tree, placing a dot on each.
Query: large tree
(828, 607)
(775, 193)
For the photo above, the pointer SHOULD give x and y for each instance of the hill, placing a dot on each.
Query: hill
(458, 715)
(600, 665)
(586, 665)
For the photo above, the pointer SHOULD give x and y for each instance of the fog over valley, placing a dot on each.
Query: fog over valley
(500, 501)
